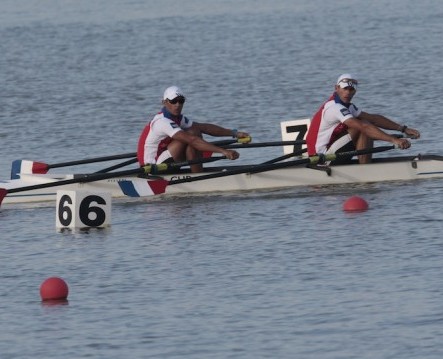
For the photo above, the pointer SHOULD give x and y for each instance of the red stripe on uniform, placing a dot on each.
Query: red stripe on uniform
(311, 137)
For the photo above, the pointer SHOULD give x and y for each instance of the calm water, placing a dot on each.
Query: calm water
(278, 274)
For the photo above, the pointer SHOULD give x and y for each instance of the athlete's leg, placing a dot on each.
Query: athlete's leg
(361, 142)
(191, 153)
(177, 150)
(182, 152)
(343, 144)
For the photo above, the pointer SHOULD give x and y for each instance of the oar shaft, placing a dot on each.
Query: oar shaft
(81, 179)
(265, 144)
(246, 169)
(285, 157)
(161, 167)
(175, 165)
(93, 160)
(221, 143)
(103, 176)
(117, 166)
(274, 166)
(365, 151)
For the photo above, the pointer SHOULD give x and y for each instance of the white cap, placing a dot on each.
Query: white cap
(172, 92)
(347, 80)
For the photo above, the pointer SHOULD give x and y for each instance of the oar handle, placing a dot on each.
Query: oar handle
(246, 139)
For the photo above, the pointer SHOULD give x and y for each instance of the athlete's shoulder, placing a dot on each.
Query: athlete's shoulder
(332, 104)
(354, 108)
(338, 111)
(186, 122)
(159, 115)
(161, 119)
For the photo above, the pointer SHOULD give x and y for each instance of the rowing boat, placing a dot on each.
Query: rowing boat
(404, 168)
(30, 181)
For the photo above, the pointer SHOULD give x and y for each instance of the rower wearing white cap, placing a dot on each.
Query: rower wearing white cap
(339, 126)
(172, 137)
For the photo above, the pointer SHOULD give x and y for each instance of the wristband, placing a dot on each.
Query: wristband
(234, 133)
(403, 129)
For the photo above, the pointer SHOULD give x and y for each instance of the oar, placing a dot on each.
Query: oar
(141, 188)
(281, 143)
(33, 167)
(273, 166)
(42, 168)
(278, 143)
(159, 186)
(220, 143)
(85, 178)
(156, 186)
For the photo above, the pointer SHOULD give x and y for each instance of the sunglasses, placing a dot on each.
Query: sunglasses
(345, 83)
(180, 100)
(349, 80)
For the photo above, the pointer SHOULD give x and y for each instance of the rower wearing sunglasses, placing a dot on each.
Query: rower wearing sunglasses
(339, 126)
(173, 137)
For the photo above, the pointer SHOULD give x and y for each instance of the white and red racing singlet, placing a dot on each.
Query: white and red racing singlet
(327, 125)
(157, 135)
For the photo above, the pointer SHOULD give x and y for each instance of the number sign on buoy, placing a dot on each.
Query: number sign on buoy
(81, 209)
(294, 130)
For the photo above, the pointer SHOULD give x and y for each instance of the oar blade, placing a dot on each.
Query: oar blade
(142, 187)
(28, 167)
(3, 193)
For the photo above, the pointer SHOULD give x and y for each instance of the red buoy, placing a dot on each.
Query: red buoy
(54, 288)
(355, 204)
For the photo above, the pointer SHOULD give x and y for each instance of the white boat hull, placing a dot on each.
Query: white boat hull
(395, 169)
